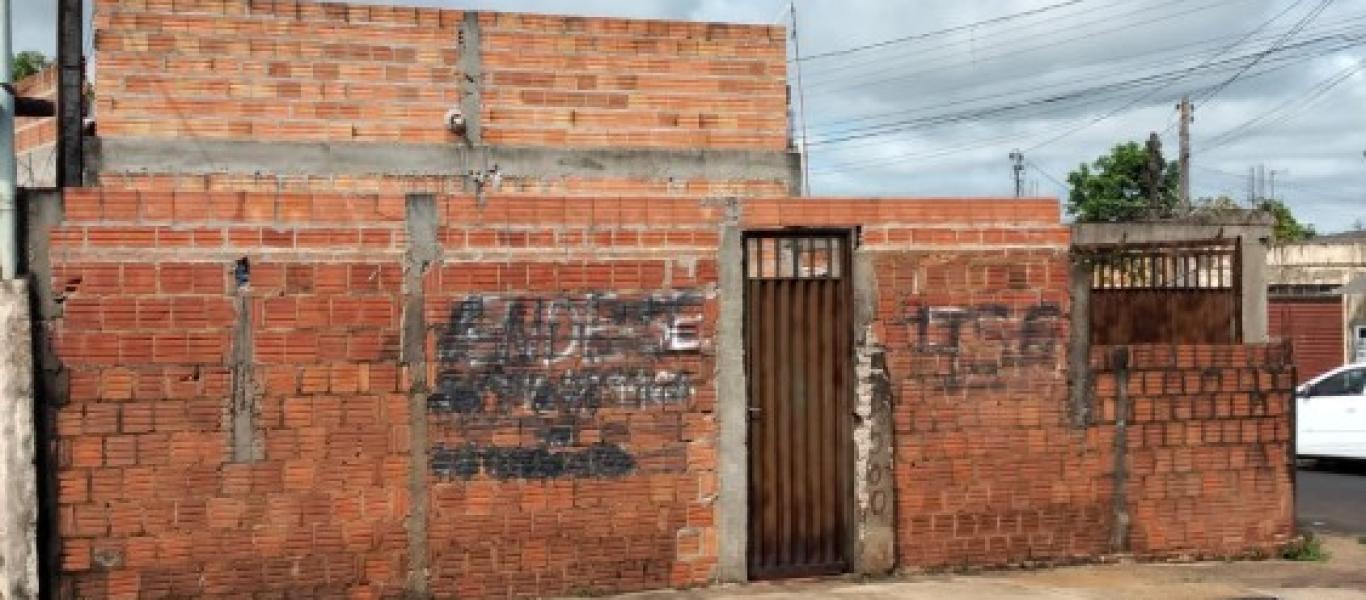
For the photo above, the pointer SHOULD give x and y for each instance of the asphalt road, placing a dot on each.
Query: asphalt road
(1332, 497)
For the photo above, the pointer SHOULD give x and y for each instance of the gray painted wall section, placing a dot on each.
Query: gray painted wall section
(732, 523)
(18, 478)
(186, 156)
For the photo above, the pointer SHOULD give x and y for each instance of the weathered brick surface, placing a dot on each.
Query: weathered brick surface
(987, 469)
(35, 138)
(1210, 450)
(296, 71)
(570, 422)
(575, 81)
(305, 71)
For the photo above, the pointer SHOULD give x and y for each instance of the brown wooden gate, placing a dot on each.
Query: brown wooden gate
(798, 358)
(1166, 293)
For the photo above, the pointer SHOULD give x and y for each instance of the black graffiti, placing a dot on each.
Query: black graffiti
(572, 391)
(488, 330)
(547, 366)
(978, 344)
(539, 462)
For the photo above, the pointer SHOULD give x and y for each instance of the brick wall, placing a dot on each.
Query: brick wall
(35, 138)
(274, 70)
(268, 426)
(574, 81)
(1209, 446)
(304, 71)
(988, 469)
(569, 429)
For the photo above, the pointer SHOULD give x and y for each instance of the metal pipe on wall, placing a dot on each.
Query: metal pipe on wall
(9, 233)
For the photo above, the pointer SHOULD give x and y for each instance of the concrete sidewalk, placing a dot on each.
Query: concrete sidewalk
(1341, 577)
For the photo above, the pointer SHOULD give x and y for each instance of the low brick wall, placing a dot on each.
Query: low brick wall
(378, 395)
(1210, 451)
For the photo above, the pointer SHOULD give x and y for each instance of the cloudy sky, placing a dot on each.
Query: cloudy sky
(929, 97)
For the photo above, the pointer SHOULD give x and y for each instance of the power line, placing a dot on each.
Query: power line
(1312, 95)
(1011, 49)
(1144, 96)
(1299, 26)
(1160, 79)
(1121, 66)
(931, 34)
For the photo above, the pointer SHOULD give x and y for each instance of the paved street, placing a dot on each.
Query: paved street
(1342, 577)
(1332, 497)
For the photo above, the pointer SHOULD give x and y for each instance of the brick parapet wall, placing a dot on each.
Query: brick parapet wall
(304, 71)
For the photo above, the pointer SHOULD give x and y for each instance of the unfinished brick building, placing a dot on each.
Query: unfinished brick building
(365, 301)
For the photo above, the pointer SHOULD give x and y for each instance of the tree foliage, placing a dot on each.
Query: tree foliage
(1286, 228)
(1119, 186)
(29, 62)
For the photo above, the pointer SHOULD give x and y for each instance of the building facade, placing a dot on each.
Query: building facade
(378, 301)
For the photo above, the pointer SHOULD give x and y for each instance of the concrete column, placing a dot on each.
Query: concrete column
(424, 254)
(874, 540)
(1253, 249)
(732, 522)
(18, 479)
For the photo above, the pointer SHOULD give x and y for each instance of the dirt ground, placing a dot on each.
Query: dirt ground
(1342, 576)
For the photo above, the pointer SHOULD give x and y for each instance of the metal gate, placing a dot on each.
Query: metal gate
(797, 360)
(1166, 293)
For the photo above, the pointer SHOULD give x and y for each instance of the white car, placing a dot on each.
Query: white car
(1331, 414)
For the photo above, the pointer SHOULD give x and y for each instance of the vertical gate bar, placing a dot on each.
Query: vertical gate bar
(845, 464)
(770, 416)
(758, 500)
(772, 424)
(827, 416)
(780, 421)
(810, 371)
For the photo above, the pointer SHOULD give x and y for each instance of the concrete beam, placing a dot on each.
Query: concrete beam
(187, 156)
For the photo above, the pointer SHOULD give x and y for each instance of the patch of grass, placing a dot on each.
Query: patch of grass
(1308, 548)
(1362, 540)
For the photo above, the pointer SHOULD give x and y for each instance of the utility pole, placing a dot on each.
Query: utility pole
(1186, 118)
(1251, 186)
(1274, 172)
(1017, 160)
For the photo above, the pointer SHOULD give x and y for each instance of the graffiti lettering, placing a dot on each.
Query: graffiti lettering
(553, 366)
(975, 345)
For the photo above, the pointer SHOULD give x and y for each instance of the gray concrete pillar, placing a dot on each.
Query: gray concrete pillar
(18, 479)
(1254, 251)
(874, 540)
(732, 523)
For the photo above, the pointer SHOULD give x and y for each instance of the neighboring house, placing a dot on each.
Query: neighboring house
(1317, 298)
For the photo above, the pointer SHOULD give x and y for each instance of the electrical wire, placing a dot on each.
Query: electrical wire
(932, 34)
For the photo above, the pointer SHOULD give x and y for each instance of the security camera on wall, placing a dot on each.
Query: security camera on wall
(455, 121)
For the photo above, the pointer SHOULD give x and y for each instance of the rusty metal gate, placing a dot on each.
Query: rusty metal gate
(798, 359)
(1168, 292)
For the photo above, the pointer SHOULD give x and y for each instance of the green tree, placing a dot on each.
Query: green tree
(1119, 186)
(29, 62)
(1286, 228)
